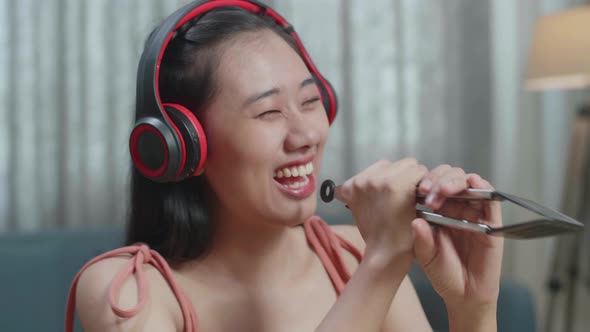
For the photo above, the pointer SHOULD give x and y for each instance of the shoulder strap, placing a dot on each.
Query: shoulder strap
(141, 254)
(327, 246)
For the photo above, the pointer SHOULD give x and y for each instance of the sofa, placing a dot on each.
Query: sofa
(36, 270)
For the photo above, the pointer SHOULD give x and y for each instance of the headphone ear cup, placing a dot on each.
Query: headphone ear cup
(195, 143)
(154, 149)
(329, 103)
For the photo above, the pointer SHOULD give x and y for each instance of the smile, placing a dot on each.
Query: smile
(294, 171)
(296, 180)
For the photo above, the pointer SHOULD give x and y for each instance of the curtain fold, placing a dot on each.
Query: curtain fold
(413, 79)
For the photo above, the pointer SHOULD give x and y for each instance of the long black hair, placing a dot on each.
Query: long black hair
(174, 218)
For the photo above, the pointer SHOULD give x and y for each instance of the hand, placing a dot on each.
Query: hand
(382, 199)
(463, 267)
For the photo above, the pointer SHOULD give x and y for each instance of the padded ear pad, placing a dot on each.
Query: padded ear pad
(326, 100)
(156, 149)
(194, 138)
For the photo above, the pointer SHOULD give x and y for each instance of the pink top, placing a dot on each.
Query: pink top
(326, 244)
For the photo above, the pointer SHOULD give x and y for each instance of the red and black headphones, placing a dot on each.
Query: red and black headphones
(168, 143)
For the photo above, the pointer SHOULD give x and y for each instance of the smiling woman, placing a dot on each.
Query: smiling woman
(231, 123)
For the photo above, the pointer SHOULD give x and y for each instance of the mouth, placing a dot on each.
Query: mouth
(294, 176)
(296, 180)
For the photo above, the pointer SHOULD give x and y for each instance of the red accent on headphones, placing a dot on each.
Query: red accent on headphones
(140, 164)
(180, 134)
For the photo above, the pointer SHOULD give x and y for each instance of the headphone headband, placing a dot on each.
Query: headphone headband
(171, 161)
(149, 66)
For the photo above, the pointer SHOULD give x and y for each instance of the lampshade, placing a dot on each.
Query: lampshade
(559, 56)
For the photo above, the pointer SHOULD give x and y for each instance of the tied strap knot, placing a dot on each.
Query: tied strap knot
(146, 252)
(141, 255)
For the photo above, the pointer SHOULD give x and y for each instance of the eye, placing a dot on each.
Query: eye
(269, 114)
(311, 102)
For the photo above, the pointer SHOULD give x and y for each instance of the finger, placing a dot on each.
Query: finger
(376, 171)
(477, 182)
(405, 174)
(461, 209)
(453, 181)
(406, 162)
(424, 242)
(492, 210)
(345, 192)
(373, 174)
(428, 181)
(415, 174)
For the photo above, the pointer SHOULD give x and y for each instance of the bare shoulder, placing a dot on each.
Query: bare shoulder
(94, 309)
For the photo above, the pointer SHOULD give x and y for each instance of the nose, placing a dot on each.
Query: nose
(303, 134)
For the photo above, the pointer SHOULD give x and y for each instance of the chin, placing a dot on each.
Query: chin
(296, 214)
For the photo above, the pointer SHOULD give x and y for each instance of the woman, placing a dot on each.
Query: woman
(235, 254)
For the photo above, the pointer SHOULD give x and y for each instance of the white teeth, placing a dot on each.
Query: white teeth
(302, 170)
(295, 171)
(296, 185)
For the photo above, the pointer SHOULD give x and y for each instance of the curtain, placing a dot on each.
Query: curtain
(67, 95)
(412, 79)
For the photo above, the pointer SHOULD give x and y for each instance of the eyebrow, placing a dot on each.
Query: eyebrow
(274, 91)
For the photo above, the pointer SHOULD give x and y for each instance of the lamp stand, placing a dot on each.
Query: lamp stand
(576, 202)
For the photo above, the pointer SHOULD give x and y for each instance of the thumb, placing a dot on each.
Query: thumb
(424, 243)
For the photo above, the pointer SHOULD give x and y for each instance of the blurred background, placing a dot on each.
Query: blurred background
(442, 81)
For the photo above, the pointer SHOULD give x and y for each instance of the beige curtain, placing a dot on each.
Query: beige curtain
(410, 75)
(67, 100)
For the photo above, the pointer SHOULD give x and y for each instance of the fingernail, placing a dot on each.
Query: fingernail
(430, 198)
(426, 184)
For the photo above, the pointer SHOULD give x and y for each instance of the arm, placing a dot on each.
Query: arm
(364, 303)
(382, 200)
(480, 319)
(94, 310)
(375, 300)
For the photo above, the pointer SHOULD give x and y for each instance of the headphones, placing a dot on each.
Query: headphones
(168, 143)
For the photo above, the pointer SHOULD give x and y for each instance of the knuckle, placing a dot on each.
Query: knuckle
(444, 166)
(380, 185)
(459, 170)
(372, 184)
(422, 168)
(357, 184)
(382, 162)
(446, 188)
(442, 169)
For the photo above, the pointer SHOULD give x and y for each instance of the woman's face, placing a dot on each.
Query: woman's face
(266, 131)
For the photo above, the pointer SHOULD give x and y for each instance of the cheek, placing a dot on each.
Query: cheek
(244, 147)
(323, 126)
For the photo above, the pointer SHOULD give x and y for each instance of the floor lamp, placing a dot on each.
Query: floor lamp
(559, 58)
